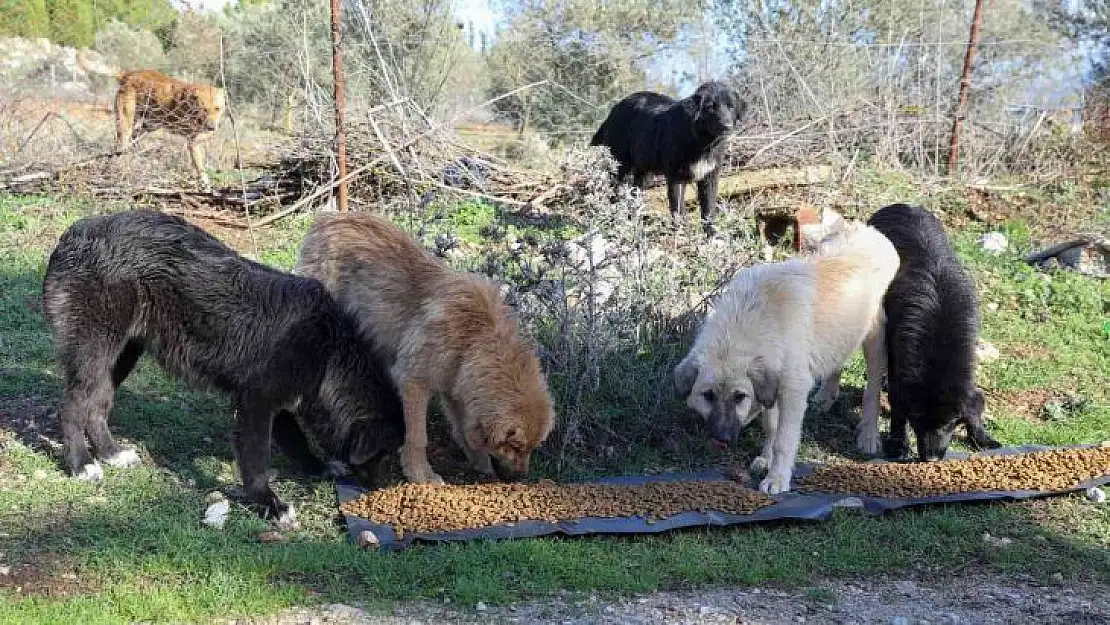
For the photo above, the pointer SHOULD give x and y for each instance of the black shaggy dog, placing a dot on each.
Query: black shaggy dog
(932, 325)
(650, 133)
(119, 285)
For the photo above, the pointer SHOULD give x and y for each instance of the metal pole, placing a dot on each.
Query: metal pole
(965, 85)
(340, 136)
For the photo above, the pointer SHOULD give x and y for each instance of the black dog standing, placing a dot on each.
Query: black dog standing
(650, 133)
(120, 285)
(932, 327)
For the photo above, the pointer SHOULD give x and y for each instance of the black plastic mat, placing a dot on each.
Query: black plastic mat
(792, 506)
(879, 505)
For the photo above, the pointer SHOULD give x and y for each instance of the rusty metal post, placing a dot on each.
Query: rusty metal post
(340, 135)
(965, 85)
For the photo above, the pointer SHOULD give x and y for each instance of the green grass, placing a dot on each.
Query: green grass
(139, 552)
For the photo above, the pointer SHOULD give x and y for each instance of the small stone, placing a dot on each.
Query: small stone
(366, 538)
(704, 611)
(799, 619)
(216, 514)
(481, 607)
(987, 352)
(5, 571)
(997, 541)
(994, 242)
(272, 537)
(899, 620)
(69, 576)
(1058, 578)
(1096, 494)
(906, 587)
(609, 609)
(992, 306)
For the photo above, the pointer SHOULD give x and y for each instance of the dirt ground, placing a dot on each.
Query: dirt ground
(963, 600)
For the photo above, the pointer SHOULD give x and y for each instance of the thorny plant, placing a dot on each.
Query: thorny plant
(612, 310)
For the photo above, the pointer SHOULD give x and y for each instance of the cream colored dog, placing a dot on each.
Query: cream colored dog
(779, 328)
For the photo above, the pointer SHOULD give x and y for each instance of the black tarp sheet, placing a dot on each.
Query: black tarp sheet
(792, 506)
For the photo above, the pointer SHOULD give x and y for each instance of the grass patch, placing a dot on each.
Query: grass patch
(139, 552)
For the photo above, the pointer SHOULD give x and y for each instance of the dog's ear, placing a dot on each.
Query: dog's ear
(765, 383)
(685, 374)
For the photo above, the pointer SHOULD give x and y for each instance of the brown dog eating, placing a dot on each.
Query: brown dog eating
(443, 332)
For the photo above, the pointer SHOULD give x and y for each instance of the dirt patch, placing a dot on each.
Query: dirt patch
(1024, 403)
(913, 602)
(1026, 351)
(48, 576)
(32, 420)
(1046, 218)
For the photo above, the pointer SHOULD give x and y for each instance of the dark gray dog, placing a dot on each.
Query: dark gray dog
(650, 133)
(119, 285)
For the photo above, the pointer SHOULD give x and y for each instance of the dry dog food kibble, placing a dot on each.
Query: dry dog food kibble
(1052, 470)
(428, 508)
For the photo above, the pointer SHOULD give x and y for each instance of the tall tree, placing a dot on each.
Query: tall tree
(590, 53)
(1087, 21)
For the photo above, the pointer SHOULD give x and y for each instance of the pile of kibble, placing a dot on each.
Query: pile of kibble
(428, 509)
(1052, 470)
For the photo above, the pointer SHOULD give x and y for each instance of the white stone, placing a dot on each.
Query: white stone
(986, 352)
(216, 514)
(1096, 494)
(994, 242)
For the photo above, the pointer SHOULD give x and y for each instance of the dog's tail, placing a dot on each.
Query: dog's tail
(91, 66)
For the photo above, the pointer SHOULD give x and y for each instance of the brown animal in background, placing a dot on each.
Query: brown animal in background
(444, 332)
(148, 100)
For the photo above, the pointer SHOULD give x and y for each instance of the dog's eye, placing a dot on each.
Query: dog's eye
(738, 396)
(709, 396)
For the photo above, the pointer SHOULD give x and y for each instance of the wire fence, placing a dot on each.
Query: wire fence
(418, 71)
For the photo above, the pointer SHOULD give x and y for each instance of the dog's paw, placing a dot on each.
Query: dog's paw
(287, 518)
(867, 441)
(759, 465)
(423, 475)
(775, 483)
(984, 441)
(90, 472)
(123, 459)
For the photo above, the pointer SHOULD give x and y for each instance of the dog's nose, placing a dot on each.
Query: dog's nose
(506, 473)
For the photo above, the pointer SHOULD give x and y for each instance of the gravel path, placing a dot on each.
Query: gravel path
(955, 601)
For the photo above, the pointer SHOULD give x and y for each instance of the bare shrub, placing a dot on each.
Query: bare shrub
(611, 306)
